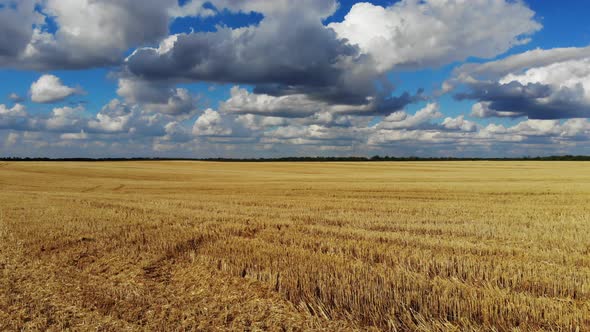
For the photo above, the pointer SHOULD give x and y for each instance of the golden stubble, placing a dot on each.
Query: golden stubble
(430, 246)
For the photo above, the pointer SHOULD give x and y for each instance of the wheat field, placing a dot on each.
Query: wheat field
(183, 246)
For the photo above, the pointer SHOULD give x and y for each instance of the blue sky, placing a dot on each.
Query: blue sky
(303, 78)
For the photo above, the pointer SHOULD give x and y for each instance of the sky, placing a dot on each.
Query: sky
(259, 78)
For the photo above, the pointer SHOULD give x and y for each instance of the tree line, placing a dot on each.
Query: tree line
(314, 159)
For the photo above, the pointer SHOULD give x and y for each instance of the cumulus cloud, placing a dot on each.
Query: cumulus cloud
(458, 135)
(301, 105)
(484, 110)
(176, 132)
(419, 34)
(17, 19)
(422, 118)
(263, 56)
(65, 119)
(211, 123)
(313, 134)
(89, 33)
(423, 126)
(14, 97)
(460, 124)
(113, 118)
(50, 89)
(340, 67)
(74, 136)
(14, 118)
(11, 139)
(315, 8)
(157, 96)
(130, 120)
(539, 84)
(424, 132)
(300, 86)
(16, 110)
(516, 63)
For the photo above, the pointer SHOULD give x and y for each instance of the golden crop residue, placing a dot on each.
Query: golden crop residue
(431, 246)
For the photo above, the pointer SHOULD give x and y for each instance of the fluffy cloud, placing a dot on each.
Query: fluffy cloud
(90, 33)
(129, 120)
(16, 110)
(484, 110)
(11, 139)
(14, 97)
(539, 84)
(176, 132)
(422, 118)
(302, 106)
(424, 132)
(49, 89)
(74, 136)
(65, 119)
(312, 8)
(94, 33)
(538, 135)
(15, 117)
(459, 124)
(336, 68)
(113, 118)
(211, 123)
(17, 19)
(157, 96)
(263, 56)
(299, 105)
(419, 34)
(301, 87)
(472, 72)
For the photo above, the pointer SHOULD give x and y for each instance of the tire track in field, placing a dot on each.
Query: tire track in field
(91, 189)
(119, 187)
(160, 271)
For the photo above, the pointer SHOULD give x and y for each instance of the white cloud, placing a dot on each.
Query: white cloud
(16, 110)
(210, 123)
(419, 34)
(540, 84)
(181, 102)
(14, 97)
(402, 120)
(545, 135)
(17, 19)
(113, 118)
(572, 76)
(303, 106)
(74, 136)
(11, 139)
(15, 117)
(459, 123)
(312, 90)
(89, 33)
(259, 123)
(191, 8)
(483, 110)
(65, 119)
(517, 63)
(176, 132)
(242, 101)
(50, 89)
(312, 8)
(157, 97)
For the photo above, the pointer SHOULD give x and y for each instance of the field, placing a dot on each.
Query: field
(431, 246)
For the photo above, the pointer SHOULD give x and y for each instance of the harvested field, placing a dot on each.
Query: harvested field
(426, 246)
